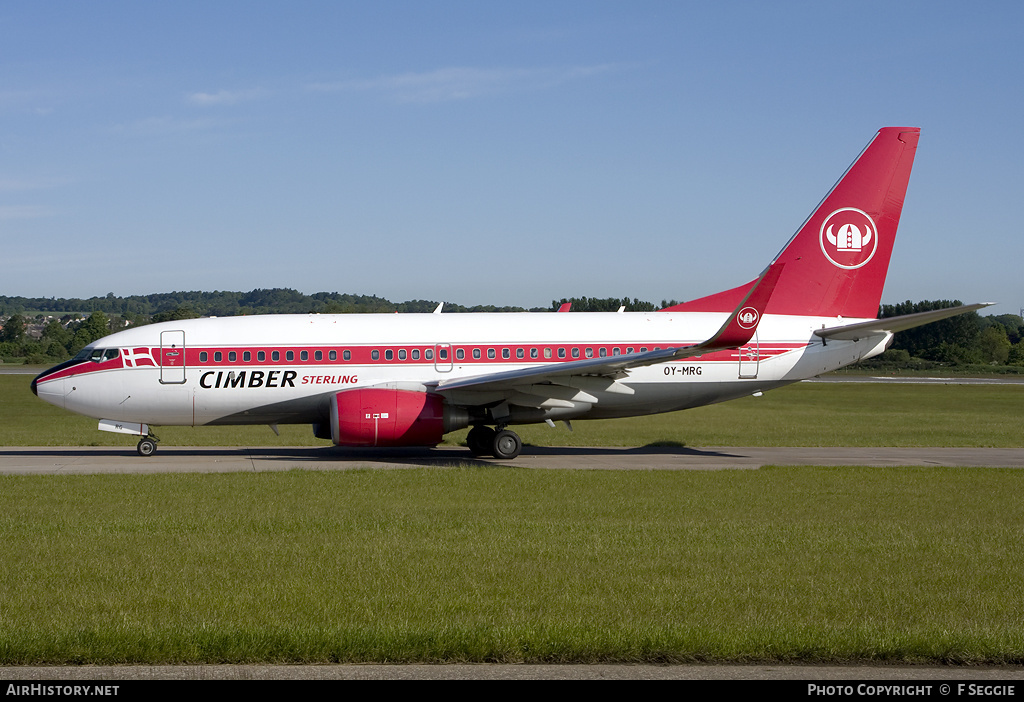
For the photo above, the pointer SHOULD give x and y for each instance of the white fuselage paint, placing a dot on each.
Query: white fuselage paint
(289, 392)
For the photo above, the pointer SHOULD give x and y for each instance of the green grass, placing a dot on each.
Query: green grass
(781, 564)
(805, 414)
(903, 565)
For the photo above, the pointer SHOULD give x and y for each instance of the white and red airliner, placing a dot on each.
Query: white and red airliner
(407, 379)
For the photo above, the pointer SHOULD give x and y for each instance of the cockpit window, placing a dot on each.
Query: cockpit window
(97, 355)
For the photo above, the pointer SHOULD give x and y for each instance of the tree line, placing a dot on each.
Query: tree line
(992, 342)
(50, 330)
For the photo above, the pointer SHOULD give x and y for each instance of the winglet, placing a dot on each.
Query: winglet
(742, 323)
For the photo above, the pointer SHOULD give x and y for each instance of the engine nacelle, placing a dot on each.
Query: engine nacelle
(385, 417)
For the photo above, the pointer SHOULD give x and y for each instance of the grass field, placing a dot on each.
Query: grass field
(804, 414)
(907, 565)
(780, 564)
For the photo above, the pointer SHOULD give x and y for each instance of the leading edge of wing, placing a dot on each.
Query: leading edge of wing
(888, 325)
(737, 330)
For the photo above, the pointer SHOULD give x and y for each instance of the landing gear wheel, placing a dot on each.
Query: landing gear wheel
(506, 444)
(146, 447)
(480, 440)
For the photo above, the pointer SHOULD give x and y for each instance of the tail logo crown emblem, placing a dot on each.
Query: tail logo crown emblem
(849, 238)
(747, 317)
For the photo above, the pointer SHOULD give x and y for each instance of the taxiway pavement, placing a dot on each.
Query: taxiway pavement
(172, 459)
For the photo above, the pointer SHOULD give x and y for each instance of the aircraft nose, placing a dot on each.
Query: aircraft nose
(51, 390)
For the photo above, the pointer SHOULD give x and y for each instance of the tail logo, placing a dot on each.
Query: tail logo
(849, 238)
(747, 318)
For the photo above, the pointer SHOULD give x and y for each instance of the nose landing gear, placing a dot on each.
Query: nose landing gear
(147, 445)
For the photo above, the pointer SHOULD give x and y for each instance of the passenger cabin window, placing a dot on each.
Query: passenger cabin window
(476, 354)
(460, 354)
(202, 357)
(218, 356)
(289, 355)
(561, 353)
(375, 355)
(275, 355)
(318, 355)
(490, 353)
(589, 352)
(261, 356)
(346, 355)
(232, 356)
(388, 354)
(415, 354)
(401, 354)
(332, 355)
(429, 354)
(505, 353)
(575, 353)
(303, 355)
(246, 356)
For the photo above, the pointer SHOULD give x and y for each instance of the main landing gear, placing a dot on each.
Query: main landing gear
(500, 443)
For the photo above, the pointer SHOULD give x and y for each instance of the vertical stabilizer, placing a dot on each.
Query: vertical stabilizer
(837, 261)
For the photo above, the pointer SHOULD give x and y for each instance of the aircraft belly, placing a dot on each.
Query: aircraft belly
(666, 397)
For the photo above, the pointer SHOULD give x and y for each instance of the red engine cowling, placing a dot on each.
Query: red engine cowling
(384, 417)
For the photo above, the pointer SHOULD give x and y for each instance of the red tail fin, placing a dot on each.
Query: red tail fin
(837, 261)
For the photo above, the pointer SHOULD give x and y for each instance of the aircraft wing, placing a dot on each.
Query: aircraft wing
(880, 327)
(737, 330)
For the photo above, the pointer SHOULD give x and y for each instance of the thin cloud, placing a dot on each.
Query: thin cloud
(166, 125)
(224, 97)
(448, 84)
(20, 184)
(8, 212)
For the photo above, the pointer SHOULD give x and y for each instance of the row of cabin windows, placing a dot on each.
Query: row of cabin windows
(218, 356)
(414, 354)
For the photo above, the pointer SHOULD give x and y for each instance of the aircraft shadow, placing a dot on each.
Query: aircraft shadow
(448, 455)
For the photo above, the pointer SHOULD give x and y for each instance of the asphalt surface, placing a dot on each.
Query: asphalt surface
(176, 459)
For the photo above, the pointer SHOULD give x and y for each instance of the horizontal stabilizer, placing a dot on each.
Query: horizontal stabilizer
(880, 327)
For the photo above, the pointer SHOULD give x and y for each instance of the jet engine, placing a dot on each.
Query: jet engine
(388, 417)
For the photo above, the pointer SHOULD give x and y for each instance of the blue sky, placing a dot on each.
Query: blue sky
(503, 153)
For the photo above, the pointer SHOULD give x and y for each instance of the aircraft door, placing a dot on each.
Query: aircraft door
(443, 361)
(749, 359)
(172, 357)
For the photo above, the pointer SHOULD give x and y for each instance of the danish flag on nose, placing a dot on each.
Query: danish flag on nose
(136, 357)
